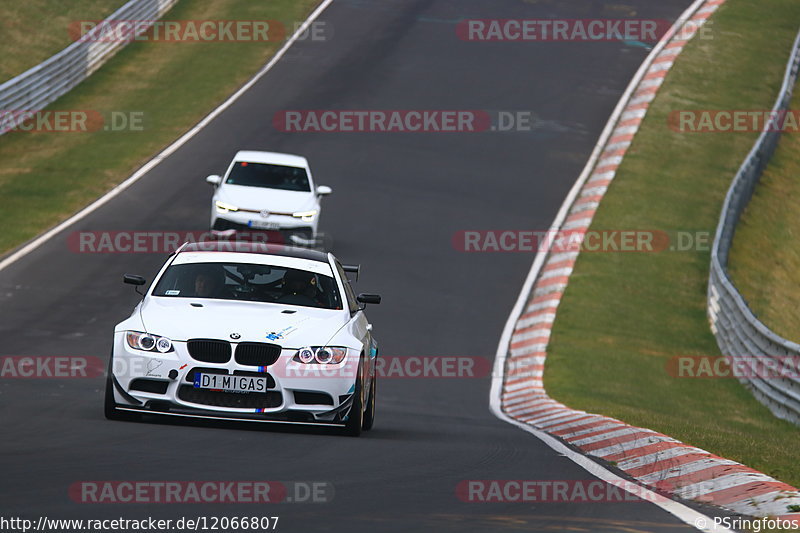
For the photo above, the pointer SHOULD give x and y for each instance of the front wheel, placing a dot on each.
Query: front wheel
(369, 416)
(355, 421)
(110, 406)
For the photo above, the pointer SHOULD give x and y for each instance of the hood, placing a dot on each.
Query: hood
(177, 319)
(270, 199)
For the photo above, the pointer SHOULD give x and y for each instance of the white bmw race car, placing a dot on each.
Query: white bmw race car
(268, 191)
(247, 331)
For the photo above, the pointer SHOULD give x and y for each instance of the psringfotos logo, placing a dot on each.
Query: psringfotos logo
(757, 525)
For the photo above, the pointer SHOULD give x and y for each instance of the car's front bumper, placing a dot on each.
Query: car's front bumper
(254, 222)
(164, 384)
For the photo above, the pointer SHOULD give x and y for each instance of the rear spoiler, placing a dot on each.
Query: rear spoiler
(352, 269)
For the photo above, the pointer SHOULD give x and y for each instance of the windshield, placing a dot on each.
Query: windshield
(251, 283)
(269, 176)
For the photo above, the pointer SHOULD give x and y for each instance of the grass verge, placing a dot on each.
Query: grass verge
(764, 261)
(625, 315)
(59, 173)
(34, 30)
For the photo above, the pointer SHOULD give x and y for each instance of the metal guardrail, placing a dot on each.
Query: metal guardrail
(36, 88)
(740, 335)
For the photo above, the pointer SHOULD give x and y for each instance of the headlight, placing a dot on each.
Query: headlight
(305, 216)
(148, 343)
(225, 208)
(306, 355)
(164, 345)
(323, 355)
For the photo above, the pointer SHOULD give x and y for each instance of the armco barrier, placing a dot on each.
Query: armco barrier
(739, 333)
(34, 89)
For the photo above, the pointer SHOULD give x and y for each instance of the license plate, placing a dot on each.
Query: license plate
(261, 224)
(230, 383)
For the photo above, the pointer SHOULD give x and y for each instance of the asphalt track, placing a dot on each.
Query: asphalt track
(398, 199)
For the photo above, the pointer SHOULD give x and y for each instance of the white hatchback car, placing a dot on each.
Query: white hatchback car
(268, 191)
(247, 331)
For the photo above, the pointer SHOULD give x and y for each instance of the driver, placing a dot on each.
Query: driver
(209, 282)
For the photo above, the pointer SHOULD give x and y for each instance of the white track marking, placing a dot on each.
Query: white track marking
(679, 510)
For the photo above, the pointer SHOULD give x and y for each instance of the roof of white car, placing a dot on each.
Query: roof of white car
(273, 158)
(255, 248)
(257, 253)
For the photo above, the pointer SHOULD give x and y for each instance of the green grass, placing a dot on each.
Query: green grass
(765, 258)
(625, 315)
(173, 85)
(33, 30)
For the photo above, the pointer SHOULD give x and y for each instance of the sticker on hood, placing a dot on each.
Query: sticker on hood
(278, 335)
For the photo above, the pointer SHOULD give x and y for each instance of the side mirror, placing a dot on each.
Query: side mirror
(130, 279)
(136, 281)
(368, 298)
(324, 190)
(214, 180)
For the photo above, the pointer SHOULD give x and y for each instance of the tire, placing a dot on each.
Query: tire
(355, 421)
(369, 416)
(110, 405)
